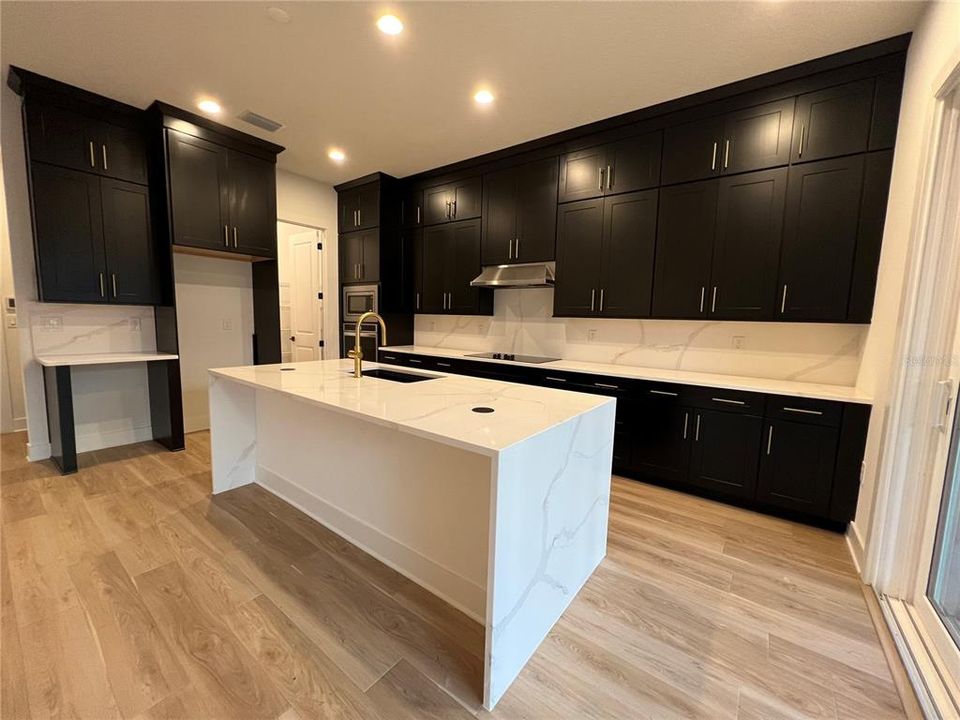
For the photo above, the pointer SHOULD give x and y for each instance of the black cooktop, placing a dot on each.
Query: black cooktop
(510, 357)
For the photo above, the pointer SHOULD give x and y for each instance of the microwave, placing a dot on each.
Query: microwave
(358, 299)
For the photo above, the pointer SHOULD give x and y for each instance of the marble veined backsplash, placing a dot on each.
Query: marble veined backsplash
(523, 323)
(85, 329)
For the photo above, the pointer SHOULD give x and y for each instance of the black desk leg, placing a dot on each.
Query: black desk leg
(63, 439)
(166, 403)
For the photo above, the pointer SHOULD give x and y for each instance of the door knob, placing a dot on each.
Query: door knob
(293, 338)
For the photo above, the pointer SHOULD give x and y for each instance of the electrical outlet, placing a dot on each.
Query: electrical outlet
(738, 342)
(135, 324)
(52, 323)
(227, 324)
(591, 335)
(11, 321)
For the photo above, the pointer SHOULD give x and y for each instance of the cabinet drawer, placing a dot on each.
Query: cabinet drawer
(391, 358)
(728, 400)
(666, 392)
(804, 410)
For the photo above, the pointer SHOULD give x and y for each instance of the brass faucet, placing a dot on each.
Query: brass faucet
(357, 353)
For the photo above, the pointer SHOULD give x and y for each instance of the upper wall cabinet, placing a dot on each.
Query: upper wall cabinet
(359, 208)
(624, 166)
(750, 139)
(65, 137)
(456, 201)
(221, 199)
(832, 122)
(520, 214)
(411, 208)
(450, 257)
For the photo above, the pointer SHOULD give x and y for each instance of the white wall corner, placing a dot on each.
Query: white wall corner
(856, 547)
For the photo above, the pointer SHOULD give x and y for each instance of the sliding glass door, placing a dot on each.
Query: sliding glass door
(943, 587)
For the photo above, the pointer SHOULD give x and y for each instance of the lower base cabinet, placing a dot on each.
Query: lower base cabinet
(776, 454)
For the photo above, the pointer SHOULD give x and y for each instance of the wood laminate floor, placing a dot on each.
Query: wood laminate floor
(128, 592)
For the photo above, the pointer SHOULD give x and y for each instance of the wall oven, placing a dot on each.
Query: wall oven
(369, 339)
(358, 299)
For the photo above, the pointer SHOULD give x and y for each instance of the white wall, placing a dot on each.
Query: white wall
(310, 202)
(13, 415)
(523, 323)
(936, 41)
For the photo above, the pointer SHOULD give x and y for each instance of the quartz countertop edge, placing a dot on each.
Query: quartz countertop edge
(772, 386)
(59, 360)
(261, 378)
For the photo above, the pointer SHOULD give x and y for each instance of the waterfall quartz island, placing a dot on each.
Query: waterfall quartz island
(502, 514)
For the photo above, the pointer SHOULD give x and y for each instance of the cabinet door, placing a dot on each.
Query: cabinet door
(199, 192)
(579, 242)
(633, 164)
(416, 249)
(467, 196)
(581, 174)
(726, 452)
(758, 137)
(436, 255)
(68, 228)
(368, 207)
(61, 137)
(886, 111)
(686, 225)
(348, 205)
(128, 241)
(464, 267)
(626, 269)
(661, 431)
(873, 213)
(351, 256)
(747, 245)
(437, 205)
(500, 205)
(123, 152)
(819, 239)
(537, 212)
(253, 205)
(411, 208)
(370, 255)
(796, 467)
(833, 122)
(692, 151)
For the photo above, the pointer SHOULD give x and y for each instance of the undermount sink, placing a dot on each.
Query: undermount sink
(396, 376)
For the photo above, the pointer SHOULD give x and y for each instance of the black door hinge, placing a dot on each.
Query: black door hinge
(319, 246)
(319, 296)
(321, 343)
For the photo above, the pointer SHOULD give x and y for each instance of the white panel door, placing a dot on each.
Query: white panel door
(305, 288)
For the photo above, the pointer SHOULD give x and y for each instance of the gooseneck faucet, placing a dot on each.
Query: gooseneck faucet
(357, 353)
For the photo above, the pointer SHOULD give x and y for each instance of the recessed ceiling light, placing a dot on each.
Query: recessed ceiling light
(484, 97)
(278, 14)
(390, 24)
(336, 155)
(209, 106)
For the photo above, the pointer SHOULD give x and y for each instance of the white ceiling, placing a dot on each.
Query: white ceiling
(404, 104)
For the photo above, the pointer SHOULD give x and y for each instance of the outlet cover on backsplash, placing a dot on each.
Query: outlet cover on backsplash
(523, 322)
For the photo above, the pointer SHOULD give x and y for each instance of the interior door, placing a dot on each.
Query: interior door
(579, 242)
(253, 205)
(128, 241)
(747, 245)
(199, 192)
(305, 289)
(626, 266)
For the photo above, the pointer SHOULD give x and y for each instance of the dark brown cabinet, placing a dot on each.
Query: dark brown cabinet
(820, 238)
(623, 166)
(221, 199)
(605, 252)
(72, 139)
(726, 452)
(450, 260)
(456, 201)
(749, 139)
(93, 238)
(686, 225)
(359, 254)
(661, 434)
(519, 214)
(797, 466)
(359, 208)
(747, 245)
(886, 111)
(834, 121)
(411, 208)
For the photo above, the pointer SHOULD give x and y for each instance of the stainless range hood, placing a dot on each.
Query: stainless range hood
(528, 275)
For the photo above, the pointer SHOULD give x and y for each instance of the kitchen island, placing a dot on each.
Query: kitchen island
(494, 496)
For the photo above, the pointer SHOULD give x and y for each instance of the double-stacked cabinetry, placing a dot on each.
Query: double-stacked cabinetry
(794, 455)
(91, 207)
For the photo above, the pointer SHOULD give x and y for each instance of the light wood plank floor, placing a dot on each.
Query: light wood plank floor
(128, 592)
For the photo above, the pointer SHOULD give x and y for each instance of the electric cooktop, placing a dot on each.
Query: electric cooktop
(510, 357)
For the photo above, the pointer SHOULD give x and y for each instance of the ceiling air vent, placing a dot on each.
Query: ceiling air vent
(260, 121)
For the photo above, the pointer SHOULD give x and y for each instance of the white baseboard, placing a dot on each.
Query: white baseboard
(856, 547)
(38, 451)
(451, 587)
(113, 438)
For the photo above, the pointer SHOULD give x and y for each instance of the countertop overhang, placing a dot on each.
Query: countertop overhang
(772, 386)
(440, 409)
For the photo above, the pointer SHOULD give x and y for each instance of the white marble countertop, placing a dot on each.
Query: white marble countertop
(101, 358)
(439, 409)
(793, 388)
